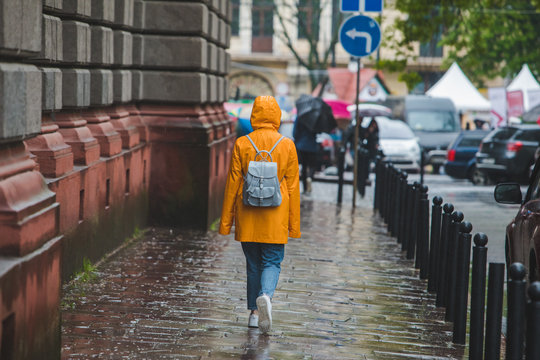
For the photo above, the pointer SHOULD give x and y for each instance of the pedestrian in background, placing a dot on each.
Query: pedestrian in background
(371, 139)
(308, 149)
(262, 231)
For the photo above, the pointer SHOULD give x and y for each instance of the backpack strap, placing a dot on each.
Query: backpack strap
(276, 144)
(273, 147)
(252, 143)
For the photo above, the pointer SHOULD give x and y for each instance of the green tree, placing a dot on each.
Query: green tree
(488, 38)
(300, 21)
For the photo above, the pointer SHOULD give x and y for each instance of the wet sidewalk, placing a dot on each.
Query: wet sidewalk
(345, 292)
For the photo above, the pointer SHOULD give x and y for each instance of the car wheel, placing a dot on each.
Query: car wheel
(436, 168)
(477, 177)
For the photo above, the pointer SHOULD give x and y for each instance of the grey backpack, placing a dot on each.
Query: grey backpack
(261, 183)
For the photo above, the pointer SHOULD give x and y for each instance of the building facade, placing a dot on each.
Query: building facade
(111, 118)
(262, 62)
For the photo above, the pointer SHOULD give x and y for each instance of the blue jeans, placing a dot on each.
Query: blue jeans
(263, 265)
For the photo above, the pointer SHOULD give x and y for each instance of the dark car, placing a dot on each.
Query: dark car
(522, 243)
(460, 156)
(507, 153)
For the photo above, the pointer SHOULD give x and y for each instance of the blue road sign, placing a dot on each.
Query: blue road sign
(361, 5)
(360, 35)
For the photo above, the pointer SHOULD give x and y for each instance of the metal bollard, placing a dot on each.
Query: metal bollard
(377, 187)
(391, 205)
(441, 284)
(516, 312)
(418, 227)
(403, 206)
(436, 212)
(395, 203)
(533, 323)
(381, 175)
(388, 206)
(341, 171)
(398, 205)
(494, 311)
(452, 264)
(424, 233)
(462, 283)
(384, 197)
(478, 295)
(408, 216)
(411, 245)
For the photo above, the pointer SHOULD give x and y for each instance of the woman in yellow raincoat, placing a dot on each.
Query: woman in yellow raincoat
(263, 231)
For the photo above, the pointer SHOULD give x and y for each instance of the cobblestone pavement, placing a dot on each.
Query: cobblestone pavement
(345, 292)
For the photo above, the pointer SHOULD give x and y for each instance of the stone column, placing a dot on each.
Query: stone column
(29, 245)
(181, 101)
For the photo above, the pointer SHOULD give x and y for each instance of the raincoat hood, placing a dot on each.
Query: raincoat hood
(266, 113)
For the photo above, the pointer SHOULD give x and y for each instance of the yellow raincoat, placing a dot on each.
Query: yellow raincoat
(257, 224)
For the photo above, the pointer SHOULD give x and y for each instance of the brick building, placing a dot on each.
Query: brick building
(111, 118)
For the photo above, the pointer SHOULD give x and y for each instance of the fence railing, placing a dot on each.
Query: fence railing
(440, 245)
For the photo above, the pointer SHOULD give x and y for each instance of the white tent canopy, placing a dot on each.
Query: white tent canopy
(456, 86)
(526, 82)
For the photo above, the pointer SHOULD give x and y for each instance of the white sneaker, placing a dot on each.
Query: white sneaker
(308, 185)
(265, 313)
(253, 321)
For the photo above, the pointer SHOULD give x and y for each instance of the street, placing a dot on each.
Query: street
(476, 203)
(478, 206)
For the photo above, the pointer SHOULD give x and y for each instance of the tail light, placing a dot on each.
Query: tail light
(514, 146)
(451, 155)
(480, 147)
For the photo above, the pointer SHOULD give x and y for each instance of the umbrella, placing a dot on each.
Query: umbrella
(315, 114)
(367, 110)
(244, 120)
(339, 108)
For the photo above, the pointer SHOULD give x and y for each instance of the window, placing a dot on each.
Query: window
(235, 24)
(262, 18)
(431, 48)
(528, 135)
(308, 19)
(262, 21)
(439, 121)
(533, 192)
(504, 133)
(470, 142)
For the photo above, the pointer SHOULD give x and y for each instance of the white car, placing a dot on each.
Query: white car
(398, 143)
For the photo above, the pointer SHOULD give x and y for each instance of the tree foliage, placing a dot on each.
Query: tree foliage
(302, 17)
(488, 38)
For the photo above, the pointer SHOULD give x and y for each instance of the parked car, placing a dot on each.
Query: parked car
(507, 153)
(434, 121)
(522, 242)
(398, 143)
(460, 156)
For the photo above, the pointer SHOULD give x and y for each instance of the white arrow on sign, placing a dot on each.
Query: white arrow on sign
(353, 34)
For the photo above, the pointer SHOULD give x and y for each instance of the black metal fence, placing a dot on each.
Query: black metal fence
(440, 245)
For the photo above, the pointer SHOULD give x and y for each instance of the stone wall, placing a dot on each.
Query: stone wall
(110, 110)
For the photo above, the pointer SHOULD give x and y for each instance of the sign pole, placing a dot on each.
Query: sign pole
(356, 133)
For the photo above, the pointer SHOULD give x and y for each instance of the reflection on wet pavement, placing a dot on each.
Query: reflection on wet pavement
(345, 292)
